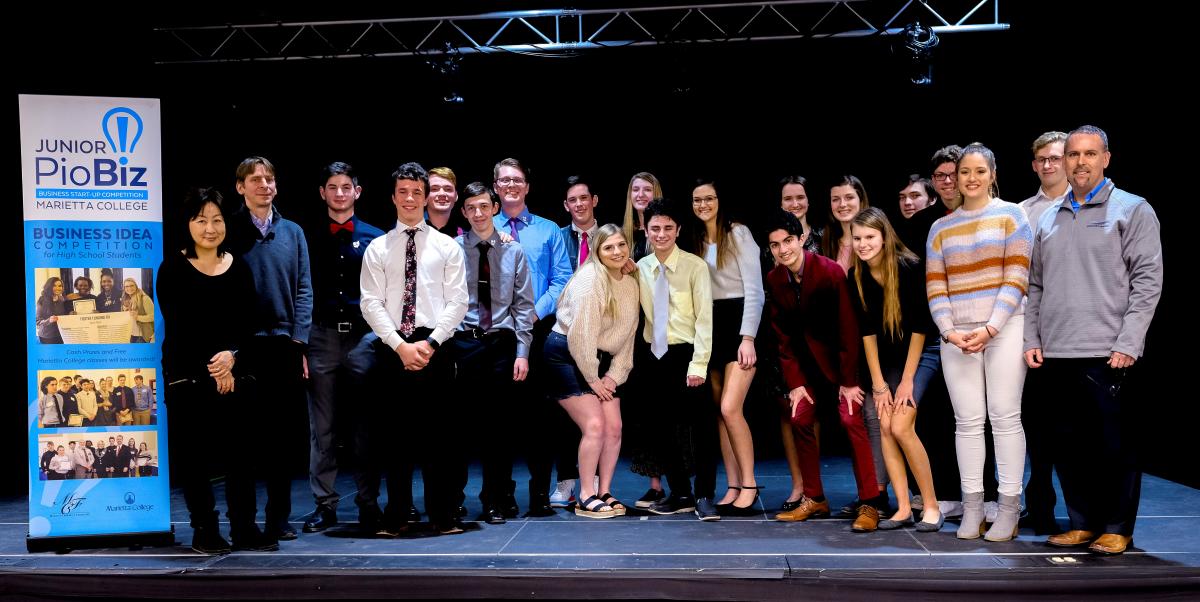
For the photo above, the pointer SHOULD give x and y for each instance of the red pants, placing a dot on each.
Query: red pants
(809, 451)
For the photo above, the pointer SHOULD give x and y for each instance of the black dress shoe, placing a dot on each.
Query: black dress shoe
(391, 528)
(208, 540)
(322, 518)
(414, 515)
(450, 527)
(789, 506)
(281, 532)
(491, 516)
(509, 507)
(461, 512)
(369, 519)
(539, 506)
(253, 540)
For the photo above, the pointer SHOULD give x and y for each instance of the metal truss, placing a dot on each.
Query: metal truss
(568, 32)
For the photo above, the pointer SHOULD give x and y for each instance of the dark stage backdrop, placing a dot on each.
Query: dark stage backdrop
(744, 113)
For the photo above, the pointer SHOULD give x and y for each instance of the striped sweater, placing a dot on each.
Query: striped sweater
(978, 265)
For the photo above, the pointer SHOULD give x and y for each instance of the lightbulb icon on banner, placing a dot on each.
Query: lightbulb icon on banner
(119, 117)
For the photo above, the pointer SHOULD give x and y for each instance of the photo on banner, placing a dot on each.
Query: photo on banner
(127, 454)
(91, 170)
(91, 306)
(97, 397)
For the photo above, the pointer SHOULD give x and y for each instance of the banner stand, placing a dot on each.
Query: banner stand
(98, 454)
(63, 545)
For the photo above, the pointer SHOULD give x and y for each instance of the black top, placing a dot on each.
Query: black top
(914, 231)
(914, 312)
(336, 261)
(108, 302)
(203, 314)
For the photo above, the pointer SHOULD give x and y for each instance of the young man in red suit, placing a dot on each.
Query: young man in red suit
(819, 342)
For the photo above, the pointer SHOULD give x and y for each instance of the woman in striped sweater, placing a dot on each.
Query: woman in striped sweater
(977, 273)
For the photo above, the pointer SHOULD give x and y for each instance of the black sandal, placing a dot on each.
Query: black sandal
(593, 507)
(618, 508)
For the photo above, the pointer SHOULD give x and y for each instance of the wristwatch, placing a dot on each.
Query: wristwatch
(433, 343)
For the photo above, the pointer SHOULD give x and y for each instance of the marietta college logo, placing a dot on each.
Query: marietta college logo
(131, 505)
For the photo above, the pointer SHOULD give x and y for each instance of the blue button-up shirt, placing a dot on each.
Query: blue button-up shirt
(549, 264)
(141, 397)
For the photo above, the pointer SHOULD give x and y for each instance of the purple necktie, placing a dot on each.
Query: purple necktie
(512, 228)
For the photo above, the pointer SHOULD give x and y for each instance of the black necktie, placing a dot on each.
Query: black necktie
(485, 287)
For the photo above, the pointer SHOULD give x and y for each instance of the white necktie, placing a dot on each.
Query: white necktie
(662, 299)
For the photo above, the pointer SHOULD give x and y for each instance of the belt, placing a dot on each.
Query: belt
(479, 333)
(351, 326)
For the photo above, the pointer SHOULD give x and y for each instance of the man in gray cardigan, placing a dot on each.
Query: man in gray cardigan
(1095, 278)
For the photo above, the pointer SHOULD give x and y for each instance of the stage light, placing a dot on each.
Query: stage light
(920, 41)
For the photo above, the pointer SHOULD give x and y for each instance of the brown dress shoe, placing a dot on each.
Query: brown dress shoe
(867, 521)
(1071, 539)
(807, 509)
(1111, 543)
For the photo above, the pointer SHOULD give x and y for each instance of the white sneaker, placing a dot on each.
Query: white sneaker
(990, 509)
(564, 494)
(950, 509)
(916, 502)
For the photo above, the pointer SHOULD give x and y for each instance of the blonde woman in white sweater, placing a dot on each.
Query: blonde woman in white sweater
(588, 355)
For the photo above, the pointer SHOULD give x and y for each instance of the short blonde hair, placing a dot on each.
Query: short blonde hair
(444, 172)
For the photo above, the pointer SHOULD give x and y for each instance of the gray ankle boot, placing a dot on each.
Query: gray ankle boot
(1005, 526)
(971, 526)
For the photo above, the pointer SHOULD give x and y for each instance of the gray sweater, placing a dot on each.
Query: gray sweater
(1095, 277)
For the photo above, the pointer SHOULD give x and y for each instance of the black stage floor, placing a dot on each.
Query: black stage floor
(633, 557)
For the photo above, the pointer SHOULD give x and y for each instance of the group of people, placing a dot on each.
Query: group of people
(55, 301)
(78, 401)
(482, 308)
(119, 459)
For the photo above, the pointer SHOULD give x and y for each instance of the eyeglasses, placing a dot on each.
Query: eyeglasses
(1052, 160)
(943, 177)
(511, 181)
(704, 200)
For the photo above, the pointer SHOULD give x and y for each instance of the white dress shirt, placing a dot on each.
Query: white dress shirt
(441, 283)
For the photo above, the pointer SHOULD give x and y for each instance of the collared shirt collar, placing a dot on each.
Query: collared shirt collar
(1091, 195)
(524, 216)
(263, 225)
(401, 226)
(672, 259)
(470, 239)
(1041, 193)
(591, 232)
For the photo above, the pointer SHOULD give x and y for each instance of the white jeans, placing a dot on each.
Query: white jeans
(988, 385)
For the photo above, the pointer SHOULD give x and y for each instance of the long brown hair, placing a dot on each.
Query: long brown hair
(833, 230)
(893, 252)
(724, 230)
(630, 212)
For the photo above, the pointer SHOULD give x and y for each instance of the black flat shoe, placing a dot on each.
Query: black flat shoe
(723, 509)
(789, 506)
